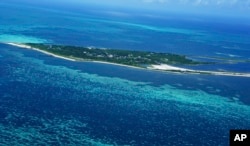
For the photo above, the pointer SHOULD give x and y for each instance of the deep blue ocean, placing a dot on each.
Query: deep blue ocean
(50, 101)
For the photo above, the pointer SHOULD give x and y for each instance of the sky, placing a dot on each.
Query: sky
(216, 7)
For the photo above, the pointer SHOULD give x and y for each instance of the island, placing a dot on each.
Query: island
(125, 57)
(130, 58)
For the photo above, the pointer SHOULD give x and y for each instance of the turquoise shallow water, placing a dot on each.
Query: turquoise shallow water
(197, 38)
(49, 101)
(52, 101)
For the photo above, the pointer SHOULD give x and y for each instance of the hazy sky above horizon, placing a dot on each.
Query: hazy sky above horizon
(217, 7)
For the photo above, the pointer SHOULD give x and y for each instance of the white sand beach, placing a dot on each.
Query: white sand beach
(161, 67)
(117, 64)
(165, 67)
(36, 49)
(61, 57)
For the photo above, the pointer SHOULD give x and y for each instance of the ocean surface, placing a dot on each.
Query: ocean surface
(50, 101)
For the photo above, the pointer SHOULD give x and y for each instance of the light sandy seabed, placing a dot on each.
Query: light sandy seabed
(161, 67)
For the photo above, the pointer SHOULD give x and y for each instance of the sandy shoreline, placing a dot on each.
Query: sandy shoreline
(65, 58)
(165, 67)
(168, 68)
(36, 49)
(161, 67)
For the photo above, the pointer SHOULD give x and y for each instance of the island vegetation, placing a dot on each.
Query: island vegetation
(129, 58)
(123, 57)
